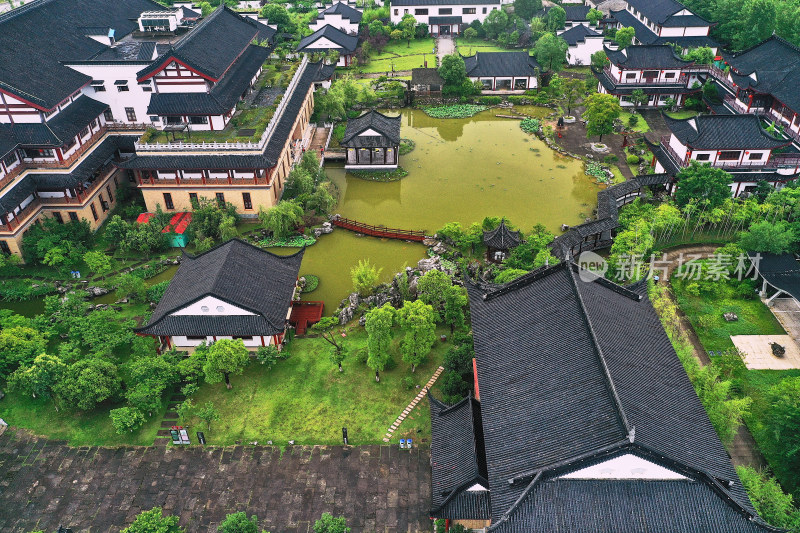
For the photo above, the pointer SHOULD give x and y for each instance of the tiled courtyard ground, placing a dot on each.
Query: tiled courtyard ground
(46, 483)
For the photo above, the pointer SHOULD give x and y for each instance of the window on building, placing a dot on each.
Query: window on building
(94, 211)
(198, 120)
(193, 200)
(468, 10)
(702, 157)
(122, 85)
(630, 75)
(84, 132)
(221, 199)
(34, 153)
(729, 155)
(755, 156)
(669, 75)
(108, 115)
(103, 203)
(99, 86)
(195, 337)
(95, 123)
(420, 11)
(153, 118)
(110, 196)
(484, 10)
(396, 11)
(10, 159)
(173, 120)
(650, 74)
(405, 11)
(168, 201)
(4, 248)
(445, 10)
(58, 217)
(248, 202)
(243, 337)
(73, 216)
(130, 114)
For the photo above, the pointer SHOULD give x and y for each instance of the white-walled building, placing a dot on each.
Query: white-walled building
(339, 15)
(233, 291)
(443, 17)
(665, 22)
(372, 141)
(330, 38)
(503, 71)
(736, 143)
(655, 69)
(583, 41)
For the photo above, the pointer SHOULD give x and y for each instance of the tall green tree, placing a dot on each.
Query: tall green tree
(39, 380)
(455, 301)
(208, 414)
(18, 347)
(638, 97)
(600, 60)
(238, 523)
(408, 26)
(526, 9)
(432, 288)
(98, 262)
(282, 219)
(225, 357)
(452, 70)
(278, 15)
(706, 185)
(594, 16)
(88, 382)
(153, 521)
(417, 319)
(325, 327)
(364, 276)
(551, 52)
(494, 23)
(769, 237)
(624, 37)
(573, 90)
(555, 18)
(378, 324)
(601, 110)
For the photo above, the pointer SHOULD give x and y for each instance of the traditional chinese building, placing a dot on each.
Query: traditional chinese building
(653, 69)
(582, 42)
(444, 17)
(737, 143)
(339, 15)
(585, 419)
(372, 141)
(500, 241)
(664, 22)
(503, 71)
(233, 291)
(329, 38)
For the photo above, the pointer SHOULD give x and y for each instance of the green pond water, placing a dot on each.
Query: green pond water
(461, 170)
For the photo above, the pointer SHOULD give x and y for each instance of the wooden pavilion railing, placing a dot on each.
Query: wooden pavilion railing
(379, 231)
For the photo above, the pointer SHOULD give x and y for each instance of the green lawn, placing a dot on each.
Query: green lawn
(683, 113)
(304, 398)
(402, 56)
(754, 317)
(469, 47)
(618, 177)
(642, 126)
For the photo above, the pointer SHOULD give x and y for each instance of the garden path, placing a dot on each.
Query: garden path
(413, 404)
(46, 483)
(445, 45)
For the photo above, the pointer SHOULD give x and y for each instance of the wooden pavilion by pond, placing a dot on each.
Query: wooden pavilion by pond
(372, 141)
(500, 241)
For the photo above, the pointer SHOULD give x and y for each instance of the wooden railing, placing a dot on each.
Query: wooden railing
(774, 161)
(199, 182)
(379, 231)
(680, 80)
(716, 72)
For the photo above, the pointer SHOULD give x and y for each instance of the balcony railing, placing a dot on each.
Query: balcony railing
(716, 72)
(775, 161)
(234, 146)
(681, 80)
(195, 182)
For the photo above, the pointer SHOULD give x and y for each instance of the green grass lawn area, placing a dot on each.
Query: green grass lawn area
(642, 126)
(402, 56)
(684, 113)
(755, 318)
(90, 428)
(468, 47)
(306, 399)
(618, 177)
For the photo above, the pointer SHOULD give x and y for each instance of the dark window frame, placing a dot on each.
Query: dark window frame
(729, 155)
(168, 203)
(247, 200)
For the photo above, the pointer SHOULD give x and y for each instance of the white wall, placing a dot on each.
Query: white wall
(23, 114)
(335, 20)
(581, 53)
(212, 304)
(626, 466)
(397, 13)
(531, 81)
(676, 145)
(692, 31)
(254, 342)
(136, 96)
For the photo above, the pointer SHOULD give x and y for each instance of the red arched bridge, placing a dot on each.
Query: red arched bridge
(379, 231)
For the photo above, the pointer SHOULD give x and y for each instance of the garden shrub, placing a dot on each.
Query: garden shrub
(773, 505)
(610, 159)
(15, 290)
(519, 99)
(156, 292)
(490, 100)
(408, 382)
(312, 282)
(633, 120)
(529, 125)
(632, 159)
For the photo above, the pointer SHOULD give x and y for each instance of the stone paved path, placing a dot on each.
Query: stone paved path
(413, 404)
(445, 45)
(44, 483)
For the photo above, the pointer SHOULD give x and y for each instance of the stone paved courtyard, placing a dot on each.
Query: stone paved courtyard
(44, 483)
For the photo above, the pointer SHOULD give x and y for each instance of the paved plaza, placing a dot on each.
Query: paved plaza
(44, 483)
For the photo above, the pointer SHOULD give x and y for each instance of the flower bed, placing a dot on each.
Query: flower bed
(529, 125)
(454, 111)
(296, 241)
(312, 282)
(381, 175)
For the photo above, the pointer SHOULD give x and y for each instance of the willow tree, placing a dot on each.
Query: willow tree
(378, 324)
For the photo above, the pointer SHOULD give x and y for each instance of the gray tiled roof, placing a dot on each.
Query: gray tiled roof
(502, 238)
(500, 64)
(660, 11)
(646, 57)
(340, 8)
(781, 271)
(646, 36)
(721, 132)
(776, 64)
(347, 43)
(578, 34)
(387, 127)
(235, 272)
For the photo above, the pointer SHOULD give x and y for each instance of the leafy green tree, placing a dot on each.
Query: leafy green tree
(132, 287)
(325, 328)
(757, 22)
(282, 219)
(330, 524)
(470, 34)
(209, 218)
(126, 419)
(239, 523)
(205, 8)
(573, 90)
(551, 51)
(494, 23)
(624, 37)
(18, 347)
(144, 239)
(724, 411)
(454, 388)
(185, 410)
(208, 414)
(378, 324)
(770, 237)
(455, 301)
(452, 70)
(277, 14)
(153, 521)
(701, 55)
(594, 16)
(396, 35)
(630, 247)
(638, 97)
(432, 288)
(776, 507)
(417, 319)
(407, 27)
(88, 382)
(115, 231)
(600, 60)
(526, 9)
(509, 274)
(704, 184)
(40, 378)
(555, 18)
(537, 28)
(227, 229)
(364, 276)
(225, 357)
(601, 110)
(98, 262)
